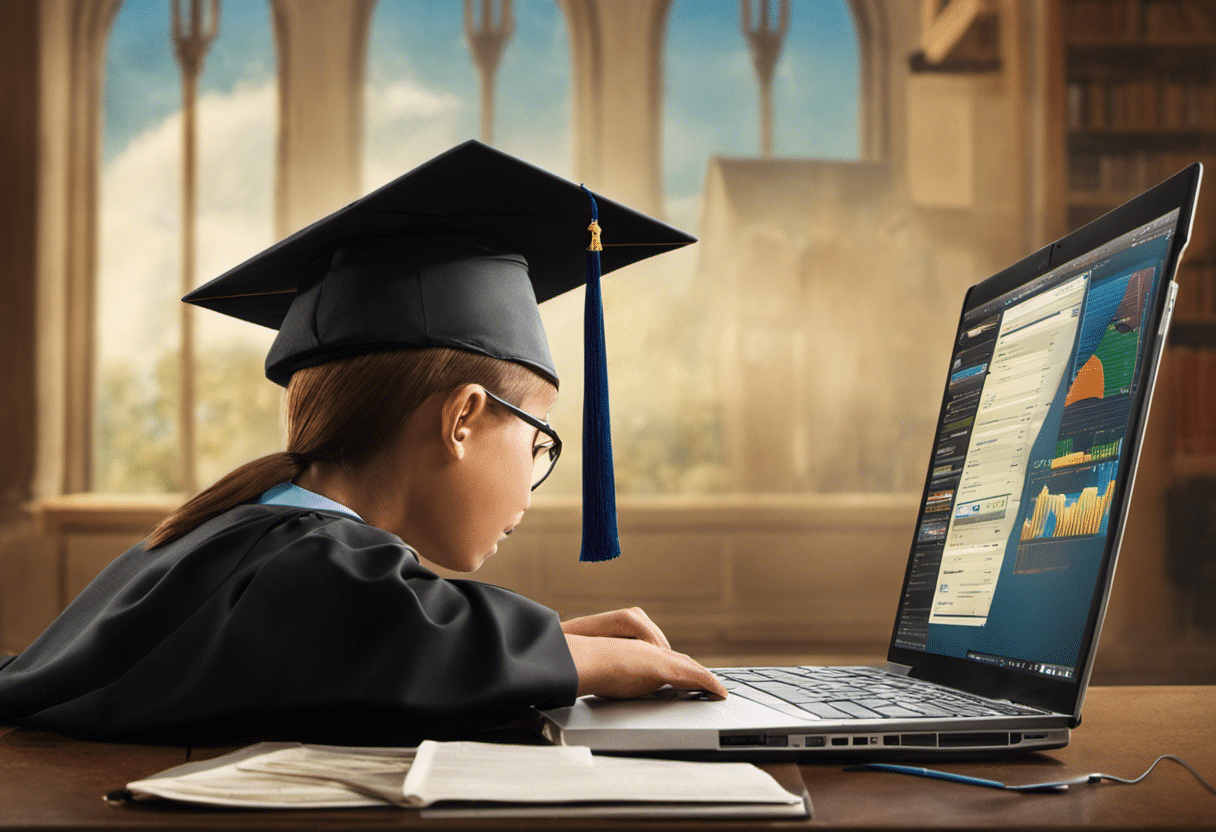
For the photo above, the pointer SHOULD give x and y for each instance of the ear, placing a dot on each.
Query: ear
(462, 412)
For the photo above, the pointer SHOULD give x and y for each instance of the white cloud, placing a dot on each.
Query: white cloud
(406, 124)
(406, 100)
(140, 242)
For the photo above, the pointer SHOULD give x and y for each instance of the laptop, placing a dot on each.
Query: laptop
(1013, 552)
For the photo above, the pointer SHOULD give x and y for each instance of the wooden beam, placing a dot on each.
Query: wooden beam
(946, 26)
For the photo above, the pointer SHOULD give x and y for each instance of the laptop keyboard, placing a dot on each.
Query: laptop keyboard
(856, 693)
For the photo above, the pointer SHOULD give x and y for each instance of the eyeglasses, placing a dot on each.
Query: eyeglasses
(545, 454)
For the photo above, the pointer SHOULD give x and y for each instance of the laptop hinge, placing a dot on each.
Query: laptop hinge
(897, 669)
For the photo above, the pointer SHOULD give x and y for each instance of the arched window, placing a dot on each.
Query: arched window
(135, 439)
(423, 92)
(712, 98)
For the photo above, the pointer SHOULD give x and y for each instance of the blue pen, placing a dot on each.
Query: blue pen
(1055, 786)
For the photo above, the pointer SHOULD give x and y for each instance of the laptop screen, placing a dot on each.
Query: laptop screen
(1033, 449)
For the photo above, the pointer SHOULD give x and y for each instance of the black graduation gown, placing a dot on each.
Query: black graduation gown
(276, 621)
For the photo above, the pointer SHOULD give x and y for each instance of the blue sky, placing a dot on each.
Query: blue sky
(143, 80)
(709, 75)
(711, 95)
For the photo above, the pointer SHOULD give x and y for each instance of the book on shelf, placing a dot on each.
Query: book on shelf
(1194, 399)
(1165, 20)
(1177, 18)
(1098, 18)
(1145, 104)
(1121, 174)
(474, 779)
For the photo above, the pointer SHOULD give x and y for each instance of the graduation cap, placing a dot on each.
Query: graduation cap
(456, 253)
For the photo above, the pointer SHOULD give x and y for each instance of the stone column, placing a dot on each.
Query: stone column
(322, 50)
(192, 34)
(617, 55)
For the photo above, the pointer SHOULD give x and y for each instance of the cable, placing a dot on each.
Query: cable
(1096, 777)
(1050, 786)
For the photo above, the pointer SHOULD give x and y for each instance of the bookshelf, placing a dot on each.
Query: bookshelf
(1138, 84)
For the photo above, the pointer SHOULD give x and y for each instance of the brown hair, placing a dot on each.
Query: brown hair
(345, 412)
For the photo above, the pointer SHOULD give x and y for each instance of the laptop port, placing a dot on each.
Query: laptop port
(861, 740)
(742, 739)
(890, 739)
(777, 740)
(972, 739)
(814, 742)
(840, 740)
(923, 740)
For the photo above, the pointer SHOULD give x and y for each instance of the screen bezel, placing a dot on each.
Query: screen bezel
(1055, 694)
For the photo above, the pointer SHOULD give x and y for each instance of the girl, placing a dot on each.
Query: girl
(288, 599)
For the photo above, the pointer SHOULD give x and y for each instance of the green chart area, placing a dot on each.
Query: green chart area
(1117, 352)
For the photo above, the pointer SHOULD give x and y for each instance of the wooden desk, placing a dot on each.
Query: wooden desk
(49, 782)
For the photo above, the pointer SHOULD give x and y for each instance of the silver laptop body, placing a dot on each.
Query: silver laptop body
(1024, 505)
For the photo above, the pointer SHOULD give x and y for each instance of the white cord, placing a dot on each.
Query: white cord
(1097, 777)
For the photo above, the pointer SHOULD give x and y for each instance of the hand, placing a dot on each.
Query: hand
(622, 668)
(629, 623)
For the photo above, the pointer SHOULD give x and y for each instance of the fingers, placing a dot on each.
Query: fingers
(622, 668)
(643, 628)
(625, 623)
(689, 674)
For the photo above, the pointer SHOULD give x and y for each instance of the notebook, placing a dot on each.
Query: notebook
(1013, 552)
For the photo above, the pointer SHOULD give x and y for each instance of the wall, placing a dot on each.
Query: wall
(25, 600)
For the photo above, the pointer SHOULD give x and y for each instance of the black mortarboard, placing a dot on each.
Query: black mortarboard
(456, 253)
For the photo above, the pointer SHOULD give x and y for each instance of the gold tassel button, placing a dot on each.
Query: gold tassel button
(596, 245)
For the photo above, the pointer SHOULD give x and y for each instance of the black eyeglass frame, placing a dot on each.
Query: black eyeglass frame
(554, 450)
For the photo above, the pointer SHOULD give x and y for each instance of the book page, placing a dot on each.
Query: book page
(375, 772)
(470, 771)
(223, 782)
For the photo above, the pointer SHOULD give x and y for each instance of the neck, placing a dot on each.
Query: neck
(373, 498)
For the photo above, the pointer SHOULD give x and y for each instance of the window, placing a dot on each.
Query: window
(135, 441)
(423, 95)
(817, 277)
(713, 100)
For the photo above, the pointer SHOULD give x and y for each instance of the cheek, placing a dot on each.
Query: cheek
(513, 471)
(503, 475)
(496, 490)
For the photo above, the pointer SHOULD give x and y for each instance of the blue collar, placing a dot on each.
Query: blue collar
(290, 494)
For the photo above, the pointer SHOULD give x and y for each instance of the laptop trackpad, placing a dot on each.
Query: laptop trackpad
(649, 714)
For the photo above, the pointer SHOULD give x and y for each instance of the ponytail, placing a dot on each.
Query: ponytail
(242, 485)
(346, 412)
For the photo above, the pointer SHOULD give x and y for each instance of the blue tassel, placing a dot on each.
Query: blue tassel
(600, 540)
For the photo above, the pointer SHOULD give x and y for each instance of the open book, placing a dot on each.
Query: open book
(471, 778)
